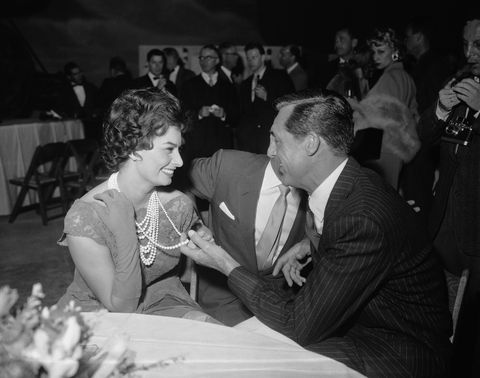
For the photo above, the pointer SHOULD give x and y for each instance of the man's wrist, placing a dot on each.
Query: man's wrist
(229, 265)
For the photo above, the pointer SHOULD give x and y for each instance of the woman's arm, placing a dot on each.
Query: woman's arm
(118, 291)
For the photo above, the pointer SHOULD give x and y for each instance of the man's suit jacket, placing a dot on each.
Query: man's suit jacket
(183, 75)
(234, 178)
(374, 286)
(256, 117)
(145, 82)
(299, 78)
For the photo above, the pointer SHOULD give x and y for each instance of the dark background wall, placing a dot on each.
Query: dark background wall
(91, 31)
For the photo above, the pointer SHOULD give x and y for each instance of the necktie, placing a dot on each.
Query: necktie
(210, 81)
(254, 85)
(268, 243)
(311, 229)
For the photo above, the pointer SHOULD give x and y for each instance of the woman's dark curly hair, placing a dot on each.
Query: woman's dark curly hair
(135, 117)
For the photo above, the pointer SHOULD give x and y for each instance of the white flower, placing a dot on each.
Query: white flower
(71, 336)
(37, 291)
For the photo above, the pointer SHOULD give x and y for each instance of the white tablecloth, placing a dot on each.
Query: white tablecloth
(18, 140)
(199, 349)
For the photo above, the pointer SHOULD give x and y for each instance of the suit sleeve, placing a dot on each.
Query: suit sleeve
(344, 276)
(204, 173)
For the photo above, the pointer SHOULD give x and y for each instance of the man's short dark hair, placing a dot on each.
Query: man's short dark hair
(118, 64)
(295, 51)
(255, 45)
(324, 113)
(155, 52)
(67, 69)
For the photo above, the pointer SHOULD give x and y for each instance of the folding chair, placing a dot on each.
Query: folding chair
(86, 155)
(43, 177)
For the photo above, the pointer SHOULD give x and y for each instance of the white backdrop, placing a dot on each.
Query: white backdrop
(189, 54)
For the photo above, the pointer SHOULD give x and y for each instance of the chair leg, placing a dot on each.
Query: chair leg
(18, 204)
(42, 206)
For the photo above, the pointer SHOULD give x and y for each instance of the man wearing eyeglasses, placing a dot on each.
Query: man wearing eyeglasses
(257, 94)
(213, 104)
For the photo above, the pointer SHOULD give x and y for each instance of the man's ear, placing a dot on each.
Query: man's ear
(354, 43)
(312, 143)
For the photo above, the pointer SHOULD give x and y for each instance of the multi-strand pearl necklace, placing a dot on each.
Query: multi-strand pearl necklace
(148, 227)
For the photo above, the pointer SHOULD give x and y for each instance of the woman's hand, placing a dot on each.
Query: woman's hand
(290, 265)
(118, 215)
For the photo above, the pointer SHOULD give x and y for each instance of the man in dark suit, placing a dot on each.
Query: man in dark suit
(375, 298)
(257, 94)
(157, 75)
(178, 74)
(78, 98)
(455, 217)
(289, 59)
(112, 86)
(241, 188)
(213, 104)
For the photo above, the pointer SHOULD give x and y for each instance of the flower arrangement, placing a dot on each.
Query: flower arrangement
(38, 341)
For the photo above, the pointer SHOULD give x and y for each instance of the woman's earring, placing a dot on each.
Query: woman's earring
(395, 56)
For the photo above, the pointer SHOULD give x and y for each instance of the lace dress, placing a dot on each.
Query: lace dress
(162, 291)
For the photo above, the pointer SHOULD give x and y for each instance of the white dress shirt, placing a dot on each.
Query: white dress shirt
(207, 78)
(319, 198)
(80, 93)
(269, 193)
(154, 81)
(173, 74)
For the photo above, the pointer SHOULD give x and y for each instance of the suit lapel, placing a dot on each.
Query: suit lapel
(249, 191)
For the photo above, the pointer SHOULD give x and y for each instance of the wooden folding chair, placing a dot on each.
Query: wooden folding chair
(43, 177)
(86, 153)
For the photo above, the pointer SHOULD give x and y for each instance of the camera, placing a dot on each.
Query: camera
(458, 126)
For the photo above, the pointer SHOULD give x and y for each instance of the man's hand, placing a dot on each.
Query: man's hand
(161, 82)
(204, 111)
(208, 254)
(468, 91)
(218, 111)
(291, 266)
(261, 92)
(447, 98)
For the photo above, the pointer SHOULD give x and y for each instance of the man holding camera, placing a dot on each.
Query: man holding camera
(455, 218)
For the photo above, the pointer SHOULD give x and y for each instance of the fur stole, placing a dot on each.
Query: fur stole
(394, 118)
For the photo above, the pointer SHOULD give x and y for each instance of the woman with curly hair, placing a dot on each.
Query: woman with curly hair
(124, 234)
(390, 105)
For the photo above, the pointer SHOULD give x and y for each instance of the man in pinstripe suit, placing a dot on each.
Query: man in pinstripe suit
(375, 298)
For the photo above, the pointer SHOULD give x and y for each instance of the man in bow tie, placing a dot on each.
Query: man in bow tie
(375, 298)
(157, 75)
(78, 98)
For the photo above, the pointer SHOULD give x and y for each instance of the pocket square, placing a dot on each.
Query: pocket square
(224, 208)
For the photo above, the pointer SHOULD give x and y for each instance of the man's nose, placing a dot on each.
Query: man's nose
(271, 152)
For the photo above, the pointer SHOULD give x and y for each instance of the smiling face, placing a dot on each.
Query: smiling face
(382, 55)
(287, 153)
(158, 165)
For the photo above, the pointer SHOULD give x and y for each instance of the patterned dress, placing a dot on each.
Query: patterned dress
(162, 291)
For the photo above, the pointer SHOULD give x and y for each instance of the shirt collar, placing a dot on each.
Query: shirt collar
(206, 77)
(151, 76)
(261, 72)
(319, 198)
(292, 67)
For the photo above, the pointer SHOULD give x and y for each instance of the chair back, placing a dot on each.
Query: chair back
(47, 162)
(86, 153)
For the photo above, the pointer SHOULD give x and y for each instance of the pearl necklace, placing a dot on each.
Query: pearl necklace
(148, 227)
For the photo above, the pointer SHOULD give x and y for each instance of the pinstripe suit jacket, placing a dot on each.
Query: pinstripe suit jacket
(374, 282)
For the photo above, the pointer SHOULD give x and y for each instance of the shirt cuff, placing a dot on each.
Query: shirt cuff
(441, 114)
